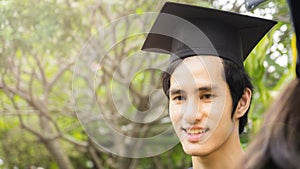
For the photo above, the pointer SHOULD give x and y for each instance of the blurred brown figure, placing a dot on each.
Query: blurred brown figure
(277, 145)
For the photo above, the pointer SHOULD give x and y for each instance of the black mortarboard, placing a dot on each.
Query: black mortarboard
(184, 30)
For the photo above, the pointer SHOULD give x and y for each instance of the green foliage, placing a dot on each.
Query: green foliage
(268, 75)
(270, 68)
(20, 149)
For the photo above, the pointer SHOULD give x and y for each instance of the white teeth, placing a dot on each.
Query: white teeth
(196, 131)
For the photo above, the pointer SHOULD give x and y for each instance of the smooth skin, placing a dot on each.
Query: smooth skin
(200, 110)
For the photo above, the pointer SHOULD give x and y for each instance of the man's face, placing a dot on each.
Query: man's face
(200, 105)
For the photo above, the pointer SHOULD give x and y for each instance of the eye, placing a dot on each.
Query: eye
(207, 96)
(179, 98)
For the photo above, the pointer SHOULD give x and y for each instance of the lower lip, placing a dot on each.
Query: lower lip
(195, 137)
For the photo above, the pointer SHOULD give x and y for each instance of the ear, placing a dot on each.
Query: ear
(243, 104)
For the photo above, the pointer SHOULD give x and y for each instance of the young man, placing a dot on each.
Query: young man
(208, 90)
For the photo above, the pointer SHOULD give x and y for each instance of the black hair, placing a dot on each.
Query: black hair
(236, 78)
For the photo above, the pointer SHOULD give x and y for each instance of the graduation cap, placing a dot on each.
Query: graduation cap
(184, 30)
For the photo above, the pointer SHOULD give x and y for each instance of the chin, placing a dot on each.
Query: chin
(195, 149)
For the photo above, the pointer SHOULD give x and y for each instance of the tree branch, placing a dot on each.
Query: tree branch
(58, 75)
(42, 72)
(103, 12)
(95, 158)
(31, 130)
(72, 140)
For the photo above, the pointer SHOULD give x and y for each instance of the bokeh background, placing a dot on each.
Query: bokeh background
(40, 43)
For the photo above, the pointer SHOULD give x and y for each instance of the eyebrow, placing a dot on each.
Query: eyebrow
(175, 92)
(200, 89)
(207, 88)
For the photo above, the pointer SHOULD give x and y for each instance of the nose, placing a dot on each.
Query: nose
(193, 112)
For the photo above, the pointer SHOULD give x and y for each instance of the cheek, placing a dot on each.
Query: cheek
(221, 120)
(219, 107)
(174, 113)
(217, 111)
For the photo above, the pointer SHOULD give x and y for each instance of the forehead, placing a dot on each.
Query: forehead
(199, 70)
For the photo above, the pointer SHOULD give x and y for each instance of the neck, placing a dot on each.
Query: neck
(227, 156)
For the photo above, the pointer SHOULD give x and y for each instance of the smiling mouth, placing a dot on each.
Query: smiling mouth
(195, 134)
(195, 131)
